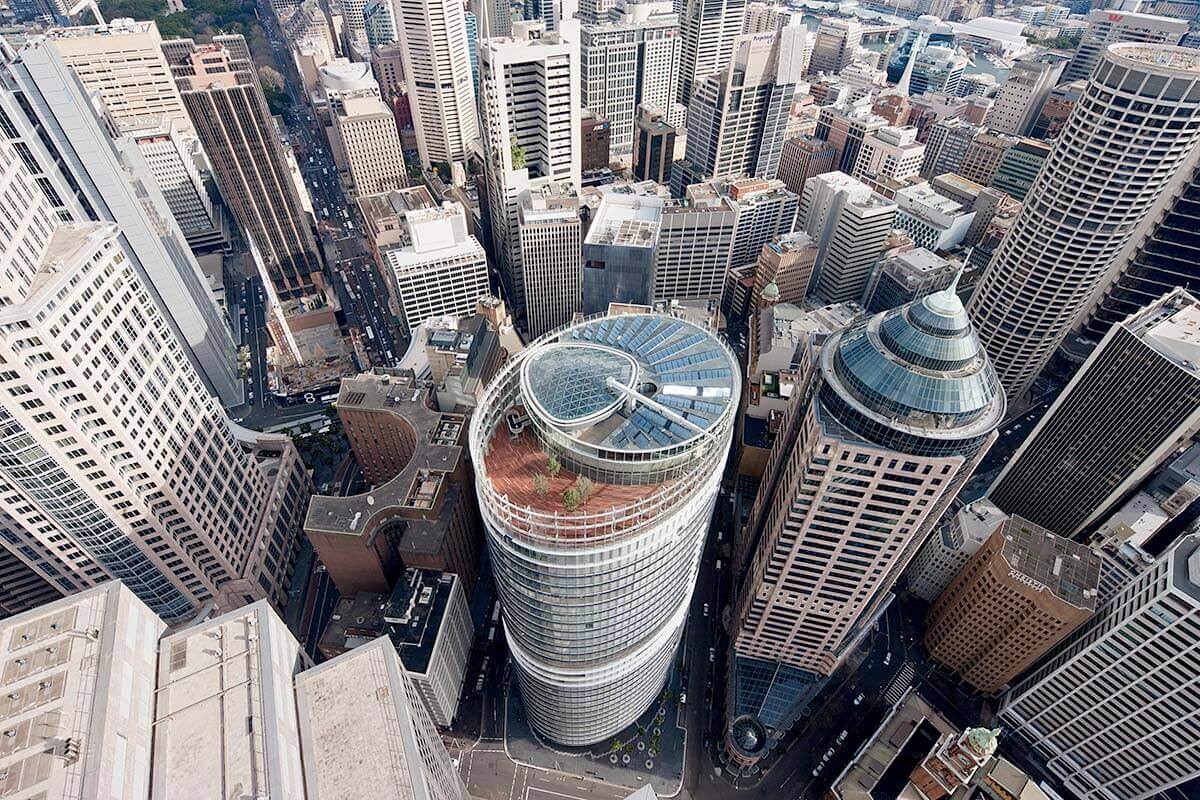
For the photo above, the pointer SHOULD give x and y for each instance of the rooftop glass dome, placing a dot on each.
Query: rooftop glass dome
(918, 369)
(635, 382)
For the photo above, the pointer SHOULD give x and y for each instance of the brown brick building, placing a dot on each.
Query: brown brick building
(1022, 593)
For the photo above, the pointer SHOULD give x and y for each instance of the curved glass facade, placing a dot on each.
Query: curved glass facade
(595, 598)
(915, 379)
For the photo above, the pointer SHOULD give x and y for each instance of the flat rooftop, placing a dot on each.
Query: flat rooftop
(357, 729)
(1069, 570)
(440, 439)
(1174, 332)
(626, 220)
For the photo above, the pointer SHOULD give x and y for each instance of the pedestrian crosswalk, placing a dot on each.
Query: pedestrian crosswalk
(899, 684)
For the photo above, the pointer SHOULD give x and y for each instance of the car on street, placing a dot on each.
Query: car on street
(706, 609)
(859, 699)
(842, 736)
(712, 655)
(887, 660)
(828, 755)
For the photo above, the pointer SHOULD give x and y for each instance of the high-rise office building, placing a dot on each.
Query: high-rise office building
(379, 22)
(595, 142)
(695, 246)
(1135, 400)
(835, 44)
(937, 69)
(1019, 167)
(801, 158)
(845, 127)
(227, 107)
(306, 23)
(906, 277)
(982, 159)
(786, 261)
(1022, 593)
(1020, 98)
(708, 28)
(441, 269)
(596, 554)
(530, 118)
(84, 175)
(1056, 109)
(957, 537)
(765, 210)
(653, 145)
(850, 223)
(551, 252)
(437, 69)
(370, 142)
(931, 220)
(1111, 710)
(628, 61)
(889, 153)
(1107, 27)
(1047, 268)
(763, 17)
(171, 157)
(103, 645)
(123, 62)
(619, 252)
(888, 419)
(737, 119)
(115, 461)
(946, 145)
(1165, 256)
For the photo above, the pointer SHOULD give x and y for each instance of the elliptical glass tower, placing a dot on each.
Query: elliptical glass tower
(598, 452)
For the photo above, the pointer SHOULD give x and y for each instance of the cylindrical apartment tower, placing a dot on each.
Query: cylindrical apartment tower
(638, 410)
(1128, 134)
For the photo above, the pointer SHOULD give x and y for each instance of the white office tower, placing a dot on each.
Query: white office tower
(836, 42)
(695, 246)
(595, 562)
(123, 62)
(370, 142)
(224, 712)
(441, 269)
(931, 220)
(764, 17)
(1082, 209)
(935, 69)
(551, 251)
(172, 158)
(890, 152)
(957, 537)
(84, 175)
(849, 222)
(115, 461)
(737, 119)
(1112, 709)
(530, 119)
(709, 28)
(630, 60)
(78, 689)
(1106, 27)
(437, 68)
(307, 23)
(364, 731)
(889, 417)
(1020, 98)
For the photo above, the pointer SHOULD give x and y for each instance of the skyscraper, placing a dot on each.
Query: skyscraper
(1019, 167)
(84, 175)
(229, 111)
(437, 67)
(596, 550)
(709, 28)
(1083, 209)
(695, 246)
(937, 69)
(1027, 86)
(889, 418)
(370, 142)
(619, 252)
(1165, 256)
(849, 222)
(115, 461)
(835, 44)
(1022, 593)
(1112, 708)
(551, 252)
(946, 146)
(530, 111)
(629, 61)
(889, 153)
(803, 157)
(1134, 401)
(737, 118)
(653, 145)
(1106, 27)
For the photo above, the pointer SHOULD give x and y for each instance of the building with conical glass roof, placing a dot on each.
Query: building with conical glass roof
(891, 415)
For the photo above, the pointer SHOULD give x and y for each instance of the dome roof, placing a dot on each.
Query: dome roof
(771, 291)
(920, 368)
